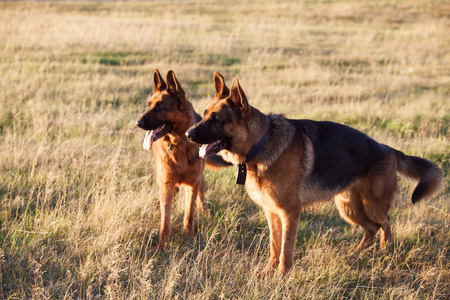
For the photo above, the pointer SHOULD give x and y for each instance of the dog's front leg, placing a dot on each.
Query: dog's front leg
(275, 228)
(167, 192)
(289, 221)
(201, 203)
(191, 195)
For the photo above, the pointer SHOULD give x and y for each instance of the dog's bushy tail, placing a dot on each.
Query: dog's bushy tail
(215, 161)
(430, 177)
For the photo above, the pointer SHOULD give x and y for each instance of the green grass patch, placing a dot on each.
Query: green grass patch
(118, 58)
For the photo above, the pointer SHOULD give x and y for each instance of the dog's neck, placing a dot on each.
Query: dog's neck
(257, 127)
(177, 134)
(242, 168)
(280, 129)
(265, 132)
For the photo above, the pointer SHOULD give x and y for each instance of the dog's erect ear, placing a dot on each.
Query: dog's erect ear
(173, 86)
(238, 98)
(220, 86)
(158, 83)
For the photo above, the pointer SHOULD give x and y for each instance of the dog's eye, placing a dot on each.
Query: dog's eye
(216, 117)
(159, 107)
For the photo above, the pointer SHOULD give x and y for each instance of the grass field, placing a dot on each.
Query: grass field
(79, 205)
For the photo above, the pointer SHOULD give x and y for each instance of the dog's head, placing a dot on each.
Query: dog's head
(225, 122)
(167, 109)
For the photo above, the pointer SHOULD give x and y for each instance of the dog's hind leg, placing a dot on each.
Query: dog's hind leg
(351, 209)
(385, 233)
(370, 230)
(378, 190)
(167, 192)
(376, 208)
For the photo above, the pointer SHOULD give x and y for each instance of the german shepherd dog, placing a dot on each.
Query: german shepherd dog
(294, 163)
(177, 161)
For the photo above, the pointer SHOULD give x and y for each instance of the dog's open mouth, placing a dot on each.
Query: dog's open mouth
(212, 148)
(153, 135)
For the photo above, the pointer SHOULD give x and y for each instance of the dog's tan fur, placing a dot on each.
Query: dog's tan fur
(284, 176)
(180, 166)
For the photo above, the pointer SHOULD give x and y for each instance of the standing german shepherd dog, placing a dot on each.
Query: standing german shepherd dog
(177, 162)
(294, 163)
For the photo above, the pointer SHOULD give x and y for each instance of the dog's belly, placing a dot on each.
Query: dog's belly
(313, 194)
(269, 196)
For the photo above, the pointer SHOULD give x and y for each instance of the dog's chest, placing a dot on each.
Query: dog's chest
(176, 160)
(262, 192)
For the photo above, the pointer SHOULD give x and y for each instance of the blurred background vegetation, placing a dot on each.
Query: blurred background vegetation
(79, 208)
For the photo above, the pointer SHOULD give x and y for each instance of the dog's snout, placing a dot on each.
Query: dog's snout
(138, 123)
(190, 135)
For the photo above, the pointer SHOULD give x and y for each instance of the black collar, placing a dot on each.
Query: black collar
(242, 168)
(255, 148)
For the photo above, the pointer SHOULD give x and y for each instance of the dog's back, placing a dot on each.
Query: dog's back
(344, 154)
(341, 153)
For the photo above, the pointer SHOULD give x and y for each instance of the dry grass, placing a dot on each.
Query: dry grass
(79, 210)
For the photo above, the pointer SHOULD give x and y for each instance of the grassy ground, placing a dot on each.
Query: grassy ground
(79, 209)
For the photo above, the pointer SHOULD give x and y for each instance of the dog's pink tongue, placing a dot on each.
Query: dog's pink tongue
(204, 149)
(148, 140)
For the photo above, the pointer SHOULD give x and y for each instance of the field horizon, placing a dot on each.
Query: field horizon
(79, 207)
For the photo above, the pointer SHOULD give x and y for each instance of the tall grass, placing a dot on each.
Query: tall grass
(79, 203)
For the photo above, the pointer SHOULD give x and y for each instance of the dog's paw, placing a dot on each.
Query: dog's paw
(160, 248)
(265, 272)
(190, 232)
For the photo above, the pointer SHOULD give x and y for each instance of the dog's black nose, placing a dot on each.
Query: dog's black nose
(190, 135)
(138, 123)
